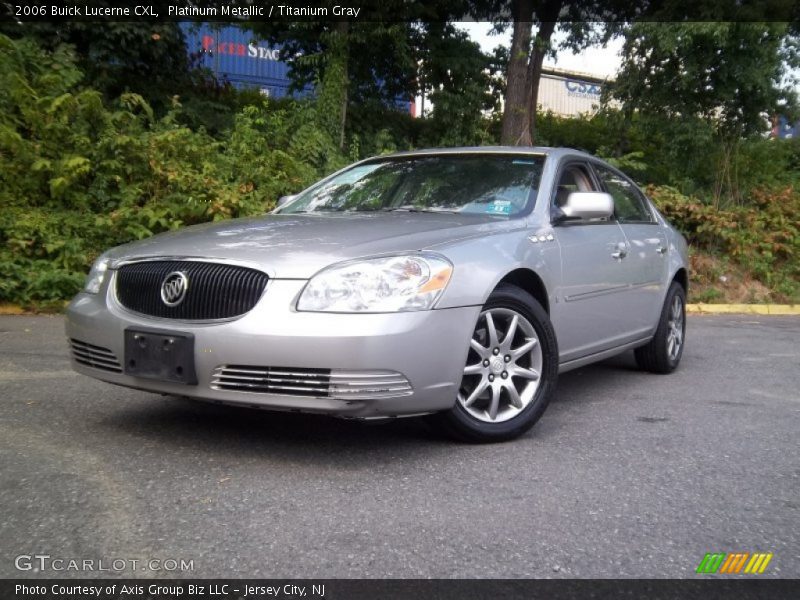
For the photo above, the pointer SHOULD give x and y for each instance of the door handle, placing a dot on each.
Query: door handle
(621, 252)
(661, 249)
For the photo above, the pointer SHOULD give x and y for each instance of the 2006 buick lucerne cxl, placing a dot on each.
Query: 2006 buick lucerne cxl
(454, 283)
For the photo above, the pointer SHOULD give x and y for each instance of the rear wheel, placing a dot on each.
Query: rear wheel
(511, 370)
(663, 353)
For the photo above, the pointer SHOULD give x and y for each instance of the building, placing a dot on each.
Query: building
(234, 56)
(569, 93)
(783, 129)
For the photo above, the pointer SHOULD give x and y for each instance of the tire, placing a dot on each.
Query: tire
(496, 412)
(659, 355)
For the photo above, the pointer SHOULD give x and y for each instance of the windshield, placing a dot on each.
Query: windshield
(500, 185)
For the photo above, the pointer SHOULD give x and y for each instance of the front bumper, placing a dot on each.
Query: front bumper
(428, 348)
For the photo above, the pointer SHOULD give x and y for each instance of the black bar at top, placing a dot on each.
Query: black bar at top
(388, 10)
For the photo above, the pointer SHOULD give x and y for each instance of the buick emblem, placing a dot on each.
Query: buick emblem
(174, 288)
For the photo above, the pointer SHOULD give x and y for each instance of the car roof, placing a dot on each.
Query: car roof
(531, 150)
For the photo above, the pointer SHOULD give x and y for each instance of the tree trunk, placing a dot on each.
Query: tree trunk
(342, 28)
(534, 74)
(515, 131)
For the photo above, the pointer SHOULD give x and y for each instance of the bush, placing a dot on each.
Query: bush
(763, 236)
(81, 174)
(680, 153)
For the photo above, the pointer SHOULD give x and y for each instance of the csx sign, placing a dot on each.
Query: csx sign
(582, 89)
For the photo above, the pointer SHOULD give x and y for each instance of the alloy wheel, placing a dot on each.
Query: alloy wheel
(504, 366)
(675, 329)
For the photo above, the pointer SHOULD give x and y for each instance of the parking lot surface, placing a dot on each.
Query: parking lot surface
(627, 475)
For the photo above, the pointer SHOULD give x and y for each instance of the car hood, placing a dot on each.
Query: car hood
(297, 246)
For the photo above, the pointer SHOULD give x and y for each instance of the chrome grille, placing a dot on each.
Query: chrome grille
(339, 384)
(214, 291)
(94, 356)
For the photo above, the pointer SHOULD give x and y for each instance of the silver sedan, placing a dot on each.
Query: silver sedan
(452, 283)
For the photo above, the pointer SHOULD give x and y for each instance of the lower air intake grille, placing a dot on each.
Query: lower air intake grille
(327, 383)
(213, 290)
(94, 356)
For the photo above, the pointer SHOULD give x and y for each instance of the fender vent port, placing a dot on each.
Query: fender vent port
(94, 356)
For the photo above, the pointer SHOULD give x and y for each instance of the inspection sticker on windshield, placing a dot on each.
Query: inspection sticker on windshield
(499, 207)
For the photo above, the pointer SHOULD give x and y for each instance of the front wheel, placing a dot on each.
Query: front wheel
(510, 373)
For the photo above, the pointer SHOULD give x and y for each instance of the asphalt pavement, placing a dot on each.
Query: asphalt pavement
(628, 474)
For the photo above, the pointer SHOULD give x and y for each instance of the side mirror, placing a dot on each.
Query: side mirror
(587, 205)
(285, 199)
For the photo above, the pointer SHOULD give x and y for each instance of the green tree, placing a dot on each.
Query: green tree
(732, 76)
(586, 23)
(349, 62)
(403, 47)
(148, 58)
(79, 173)
(455, 75)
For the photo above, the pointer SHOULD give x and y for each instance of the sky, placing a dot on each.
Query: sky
(599, 61)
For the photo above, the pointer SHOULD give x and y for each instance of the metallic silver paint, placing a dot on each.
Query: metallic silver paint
(599, 305)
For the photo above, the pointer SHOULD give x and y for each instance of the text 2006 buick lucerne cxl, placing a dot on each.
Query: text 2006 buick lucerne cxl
(454, 283)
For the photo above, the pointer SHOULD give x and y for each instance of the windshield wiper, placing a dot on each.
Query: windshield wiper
(416, 209)
(405, 208)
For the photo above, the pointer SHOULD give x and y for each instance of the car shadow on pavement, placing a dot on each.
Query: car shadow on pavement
(583, 384)
(187, 423)
(201, 426)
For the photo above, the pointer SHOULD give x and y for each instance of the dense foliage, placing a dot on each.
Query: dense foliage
(722, 76)
(146, 57)
(762, 239)
(82, 170)
(678, 152)
(80, 174)
(754, 234)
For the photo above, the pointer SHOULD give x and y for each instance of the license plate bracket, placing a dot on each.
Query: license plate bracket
(161, 355)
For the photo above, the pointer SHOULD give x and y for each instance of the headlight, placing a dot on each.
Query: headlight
(388, 284)
(96, 275)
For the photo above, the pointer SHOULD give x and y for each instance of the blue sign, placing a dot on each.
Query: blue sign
(582, 89)
(784, 130)
(236, 57)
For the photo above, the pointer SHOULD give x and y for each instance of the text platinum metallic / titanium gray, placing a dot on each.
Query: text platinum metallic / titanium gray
(456, 283)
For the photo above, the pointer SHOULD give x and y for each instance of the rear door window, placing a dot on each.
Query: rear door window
(629, 204)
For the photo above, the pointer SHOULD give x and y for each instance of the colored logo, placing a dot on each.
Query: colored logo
(239, 49)
(734, 563)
